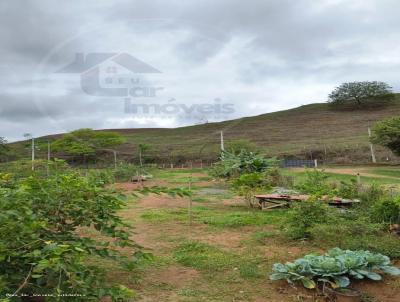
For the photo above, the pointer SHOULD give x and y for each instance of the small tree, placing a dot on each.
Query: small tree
(387, 134)
(360, 92)
(86, 142)
(3, 145)
(142, 148)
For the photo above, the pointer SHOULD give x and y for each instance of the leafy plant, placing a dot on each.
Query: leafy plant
(233, 165)
(334, 268)
(316, 183)
(387, 211)
(304, 215)
(248, 184)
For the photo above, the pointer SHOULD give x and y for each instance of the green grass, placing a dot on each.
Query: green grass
(236, 219)
(300, 176)
(164, 215)
(392, 172)
(203, 256)
(216, 217)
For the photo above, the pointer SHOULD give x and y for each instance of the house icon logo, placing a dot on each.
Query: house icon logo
(112, 75)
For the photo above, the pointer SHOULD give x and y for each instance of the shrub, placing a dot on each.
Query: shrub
(303, 216)
(233, 165)
(348, 189)
(387, 211)
(316, 184)
(41, 251)
(248, 184)
(100, 177)
(125, 172)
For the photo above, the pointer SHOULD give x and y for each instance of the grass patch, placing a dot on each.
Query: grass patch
(300, 177)
(241, 218)
(392, 172)
(261, 236)
(158, 215)
(203, 256)
(249, 270)
(216, 217)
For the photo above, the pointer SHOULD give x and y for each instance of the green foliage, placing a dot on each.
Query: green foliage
(40, 242)
(233, 165)
(316, 183)
(4, 149)
(86, 142)
(100, 177)
(360, 92)
(203, 256)
(387, 134)
(387, 211)
(23, 168)
(304, 215)
(335, 268)
(125, 172)
(357, 233)
(248, 184)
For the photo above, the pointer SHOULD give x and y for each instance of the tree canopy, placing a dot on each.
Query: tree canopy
(84, 142)
(360, 92)
(387, 133)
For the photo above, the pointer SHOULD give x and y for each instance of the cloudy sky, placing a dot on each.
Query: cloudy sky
(217, 59)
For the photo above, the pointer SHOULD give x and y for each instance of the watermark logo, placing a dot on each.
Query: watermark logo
(112, 75)
(121, 75)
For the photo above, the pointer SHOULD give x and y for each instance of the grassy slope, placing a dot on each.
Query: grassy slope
(296, 131)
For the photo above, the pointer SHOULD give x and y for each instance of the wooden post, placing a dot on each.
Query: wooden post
(115, 159)
(371, 147)
(190, 202)
(222, 141)
(316, 163)
(48, 158)
(33, 153)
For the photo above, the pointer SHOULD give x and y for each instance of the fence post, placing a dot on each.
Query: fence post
(316, 163)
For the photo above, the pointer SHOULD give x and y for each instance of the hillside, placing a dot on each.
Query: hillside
(313, 130)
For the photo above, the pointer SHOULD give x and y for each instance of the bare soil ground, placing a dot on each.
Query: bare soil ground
(167, 280)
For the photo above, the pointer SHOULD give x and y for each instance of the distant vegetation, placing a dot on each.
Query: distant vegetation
(387, 133)
(314, 131)
(359, 93)
(85, 143)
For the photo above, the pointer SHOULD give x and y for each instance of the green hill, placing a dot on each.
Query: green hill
(310, 131)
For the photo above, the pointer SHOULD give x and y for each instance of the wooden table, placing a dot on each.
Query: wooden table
(272, 201)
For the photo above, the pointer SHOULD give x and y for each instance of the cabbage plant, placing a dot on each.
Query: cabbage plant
(335, 268)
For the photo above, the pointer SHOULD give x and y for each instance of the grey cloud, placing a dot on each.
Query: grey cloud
(269, 54)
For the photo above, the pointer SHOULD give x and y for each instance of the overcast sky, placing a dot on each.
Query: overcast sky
(246, 57)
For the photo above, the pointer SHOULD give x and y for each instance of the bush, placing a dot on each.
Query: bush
(125, 172)
(316, 183)
(233, 165)
(249, 184)
(303, 216)
(41, 251)
(387, 211)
